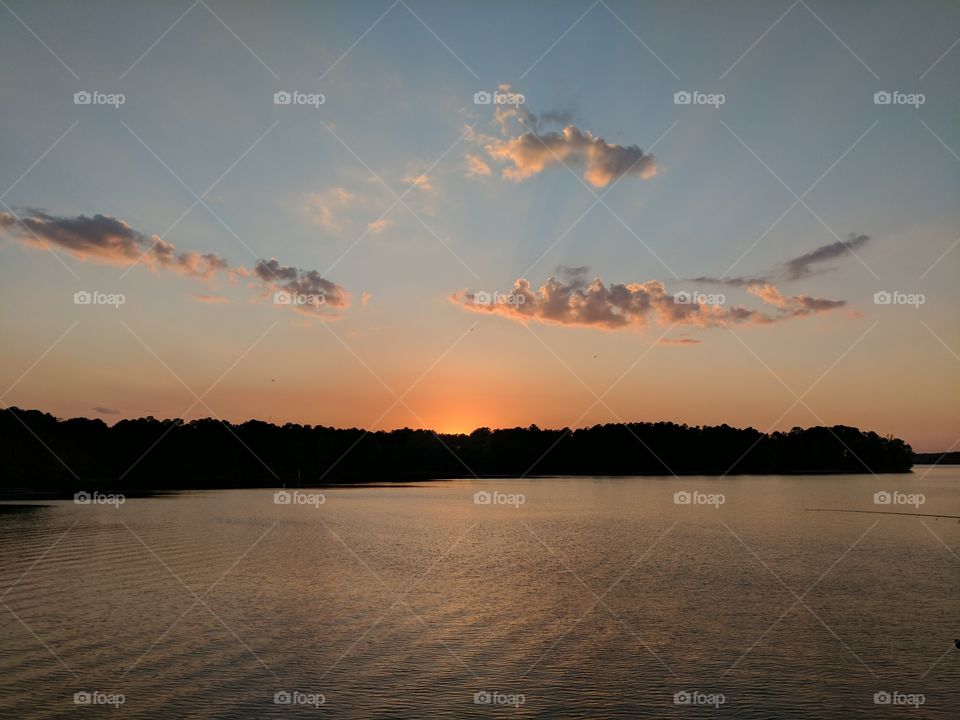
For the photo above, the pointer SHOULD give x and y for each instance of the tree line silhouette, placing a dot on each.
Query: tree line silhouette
(42, 454)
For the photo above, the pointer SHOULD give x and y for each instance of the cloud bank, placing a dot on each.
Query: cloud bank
(572, 299)
(106, 240)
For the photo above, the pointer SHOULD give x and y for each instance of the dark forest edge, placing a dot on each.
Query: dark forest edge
(44, 455)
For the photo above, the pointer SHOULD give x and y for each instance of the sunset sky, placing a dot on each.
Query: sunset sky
(401, 201)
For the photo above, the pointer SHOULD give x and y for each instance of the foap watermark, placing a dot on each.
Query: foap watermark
(296, 697)
(295, 497)
(695, 697)
(484, 497)
(683, 497)
(95, 297)
(483, 297)
(296, 97)
(695, 97)
(482, 97)
(486, 697)
(895, 297)
(884, 497)
(284, 297)
(886, 697)
(98, 498)
(82, 97)
(95, 697)
(895, 97)
(695, 297)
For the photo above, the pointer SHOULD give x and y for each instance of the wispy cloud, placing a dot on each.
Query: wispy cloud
(476, 166)
(795, 268)
(801, 266)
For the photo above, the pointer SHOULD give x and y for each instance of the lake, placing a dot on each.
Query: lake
(553, 597)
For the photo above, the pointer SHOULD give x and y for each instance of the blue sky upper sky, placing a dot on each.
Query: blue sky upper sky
(316, 188)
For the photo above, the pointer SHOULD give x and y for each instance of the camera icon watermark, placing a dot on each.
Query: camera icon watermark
(95, 697)
(884, 497)
(486, 697)
(695, 697)
(83, 97)
(895, 297)
(884, 697)
(482, 297)
(296, 97)
(295, 497)
(285, 297)
(95, 297)
(695, 297)
(98, 498)
(296, 697)
(483, 97)
(695, 97)
(895, 97)
(495, 497)
(695, 497)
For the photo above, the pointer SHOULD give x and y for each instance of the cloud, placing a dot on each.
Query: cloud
(731, 282)
(796, 268)
(302, 283)
(800, 266)
(324, 208)
(536, 149)
(110, 241)
(794, 305)
(574, 300)
(378, 226)
(531, 153)
(505, 114)
(107, 240)
(420, 181)
(476, 167)
(105, 411)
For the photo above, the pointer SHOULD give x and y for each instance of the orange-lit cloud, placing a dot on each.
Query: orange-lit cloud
(325, 208)
(575, 300)
(531, 153)
(420, 181)
(378, 226)
(476, 167)
(107, 240)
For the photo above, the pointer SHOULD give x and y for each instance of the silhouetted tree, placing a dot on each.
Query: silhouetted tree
(42, 454)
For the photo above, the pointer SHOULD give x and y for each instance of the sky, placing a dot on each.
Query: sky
(688, 211)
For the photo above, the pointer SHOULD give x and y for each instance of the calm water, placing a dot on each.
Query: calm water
(595, 597)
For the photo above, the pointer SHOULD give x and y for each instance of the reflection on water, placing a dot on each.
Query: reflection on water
(587, 597)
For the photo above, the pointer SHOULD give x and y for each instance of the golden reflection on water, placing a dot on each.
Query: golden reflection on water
(584, 597)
